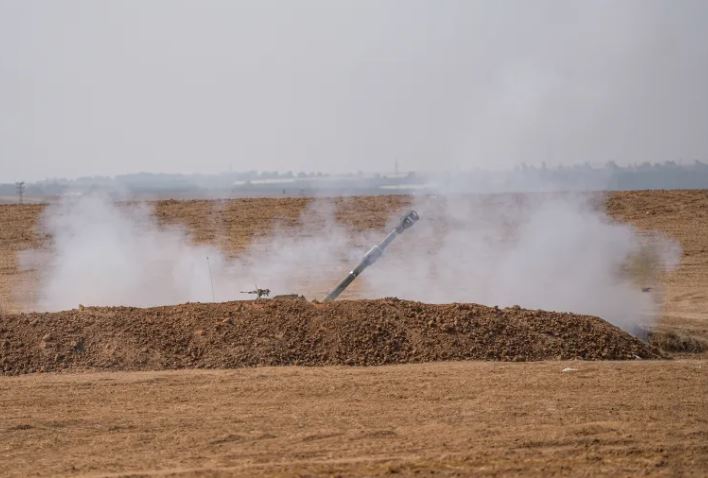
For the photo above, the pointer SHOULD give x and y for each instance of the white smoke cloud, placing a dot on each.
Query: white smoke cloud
(559, 252)
(106, 253)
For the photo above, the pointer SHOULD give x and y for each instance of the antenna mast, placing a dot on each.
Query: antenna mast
(20, 191)
(211, 280)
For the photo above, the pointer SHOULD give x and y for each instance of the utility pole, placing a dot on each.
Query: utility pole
(20, 190)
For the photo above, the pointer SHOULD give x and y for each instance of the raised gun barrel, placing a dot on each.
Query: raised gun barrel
(374, 253)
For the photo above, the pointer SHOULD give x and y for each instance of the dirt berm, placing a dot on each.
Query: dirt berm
(297, 332)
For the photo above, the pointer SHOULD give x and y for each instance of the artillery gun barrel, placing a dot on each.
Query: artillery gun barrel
(374, 253)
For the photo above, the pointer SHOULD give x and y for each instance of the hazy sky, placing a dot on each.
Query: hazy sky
(109, 87)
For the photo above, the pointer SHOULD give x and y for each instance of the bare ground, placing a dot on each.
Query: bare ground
(647, 418)
(642, 418)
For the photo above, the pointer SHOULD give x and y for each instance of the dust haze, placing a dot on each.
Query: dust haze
(114, 87)
(555, 251)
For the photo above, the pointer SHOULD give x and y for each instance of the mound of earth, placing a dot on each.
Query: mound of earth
(297, 332)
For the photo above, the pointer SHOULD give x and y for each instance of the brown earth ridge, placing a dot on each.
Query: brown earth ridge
(297, 332)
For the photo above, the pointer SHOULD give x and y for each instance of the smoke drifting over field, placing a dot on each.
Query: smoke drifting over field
(557, 252)
(107, 253)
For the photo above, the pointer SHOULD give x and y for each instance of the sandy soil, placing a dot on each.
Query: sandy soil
(643, 418)
(638, 418)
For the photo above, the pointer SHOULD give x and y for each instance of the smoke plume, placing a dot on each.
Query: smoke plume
(552, 251)
(557, 252)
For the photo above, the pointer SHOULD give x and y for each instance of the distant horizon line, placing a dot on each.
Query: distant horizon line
(367, 173)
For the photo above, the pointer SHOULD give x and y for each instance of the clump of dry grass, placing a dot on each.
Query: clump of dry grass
(648, 266)
(670, 341)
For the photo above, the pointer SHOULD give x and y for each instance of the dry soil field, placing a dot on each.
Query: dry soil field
(444, 418)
